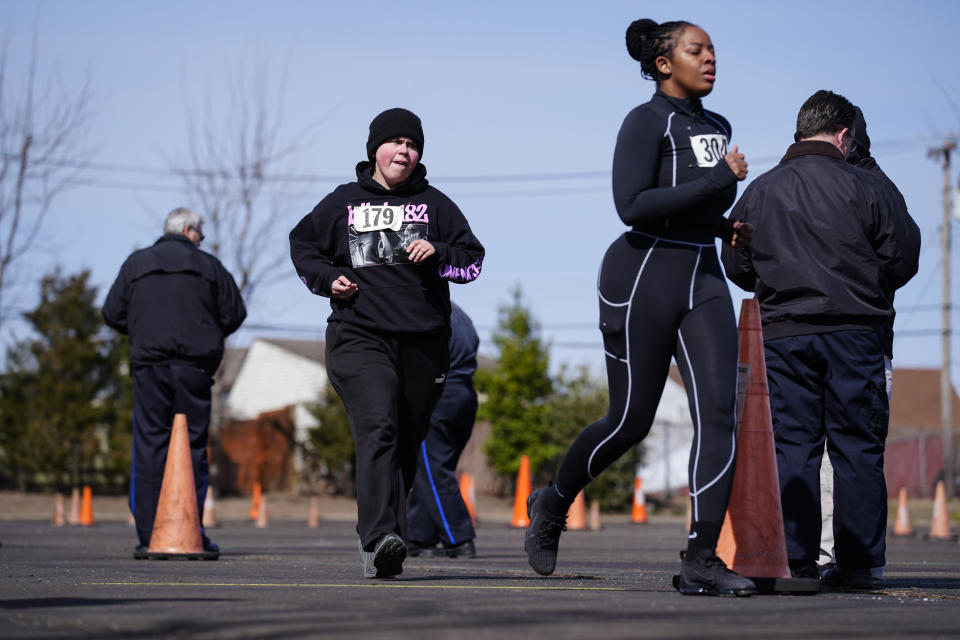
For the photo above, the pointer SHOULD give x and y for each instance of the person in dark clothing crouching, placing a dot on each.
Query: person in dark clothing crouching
(831, 245)
(383, 249)
(436, 512)
(177, 304)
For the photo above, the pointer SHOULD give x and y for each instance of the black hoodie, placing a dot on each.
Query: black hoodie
(393, 293)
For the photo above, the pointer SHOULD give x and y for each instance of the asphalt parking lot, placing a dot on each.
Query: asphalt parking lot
(291, 581)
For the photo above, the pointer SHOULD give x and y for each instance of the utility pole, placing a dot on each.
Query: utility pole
(946, 389)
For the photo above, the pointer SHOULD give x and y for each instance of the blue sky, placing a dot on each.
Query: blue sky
(504, 89)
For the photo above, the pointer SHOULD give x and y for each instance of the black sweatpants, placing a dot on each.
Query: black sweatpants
(160, 392)
(389, 384)
(831, 386)
(661, 299)
(436, 511)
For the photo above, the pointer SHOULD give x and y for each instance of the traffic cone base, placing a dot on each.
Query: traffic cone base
(176, 527)
(577, 515)
(524, 488)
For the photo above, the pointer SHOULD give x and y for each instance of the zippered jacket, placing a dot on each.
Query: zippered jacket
(176, 302)
(679, 186)
(361, 230)
(831, 244)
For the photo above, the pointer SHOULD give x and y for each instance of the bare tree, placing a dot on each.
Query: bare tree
(232, 144)
(42, 132)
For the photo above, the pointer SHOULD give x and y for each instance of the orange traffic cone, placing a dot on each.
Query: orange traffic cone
(594, 522)
(639, 512)
(176, 527)
(902, 526)
(263, 520)
(520, 518)
(752, 540)
(209, 518)
(59, 513)
(255, 501)
(940, 523)
(74, 517)
(469, 495)
(577, 515)
(86, 507)
(313, 516)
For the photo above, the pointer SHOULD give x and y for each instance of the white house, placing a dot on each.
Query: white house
(275, 374)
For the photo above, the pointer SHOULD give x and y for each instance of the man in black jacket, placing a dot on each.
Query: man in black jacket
(831, 244)
(177, 304)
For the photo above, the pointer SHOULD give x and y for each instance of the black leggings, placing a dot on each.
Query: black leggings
(661, 299)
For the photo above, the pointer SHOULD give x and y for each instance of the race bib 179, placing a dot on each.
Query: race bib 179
(377, 217)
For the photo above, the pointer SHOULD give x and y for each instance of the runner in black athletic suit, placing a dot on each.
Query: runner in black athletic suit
(662, 295)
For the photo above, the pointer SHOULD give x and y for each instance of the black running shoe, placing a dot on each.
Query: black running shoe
(386, 559)
(705, 574)
(543, 536)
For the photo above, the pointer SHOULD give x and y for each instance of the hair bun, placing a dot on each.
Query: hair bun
(635, 34)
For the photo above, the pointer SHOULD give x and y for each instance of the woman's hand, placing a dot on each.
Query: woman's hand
(742, 235)
(342, 288)
(420, 250)
(737, 163)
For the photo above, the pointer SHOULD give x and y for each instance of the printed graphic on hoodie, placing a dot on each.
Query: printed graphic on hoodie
(379, 235)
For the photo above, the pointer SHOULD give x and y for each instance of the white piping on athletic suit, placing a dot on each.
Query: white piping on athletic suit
(673, 147)
(695, 491)
(626, 333)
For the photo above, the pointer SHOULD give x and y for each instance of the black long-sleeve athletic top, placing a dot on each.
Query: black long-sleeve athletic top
(669, 175)
(361, 230)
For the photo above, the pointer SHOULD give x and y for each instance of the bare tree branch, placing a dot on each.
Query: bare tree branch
(36, 122)
(231, 147)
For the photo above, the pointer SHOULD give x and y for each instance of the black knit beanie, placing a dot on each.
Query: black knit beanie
(394, 123)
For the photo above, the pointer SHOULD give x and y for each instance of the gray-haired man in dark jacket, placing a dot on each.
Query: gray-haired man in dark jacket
(177, 304)
(832, 243)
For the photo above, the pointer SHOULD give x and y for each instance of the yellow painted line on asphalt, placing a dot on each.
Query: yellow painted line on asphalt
(347, 586)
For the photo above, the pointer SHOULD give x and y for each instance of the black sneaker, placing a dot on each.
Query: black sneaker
(416, 549)
(705, 574)
(386, 559)
(141, 553)
(465, 549)
(543, 536)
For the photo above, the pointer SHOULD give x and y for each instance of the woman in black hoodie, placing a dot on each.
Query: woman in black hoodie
(383, 249)
(662, 295)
